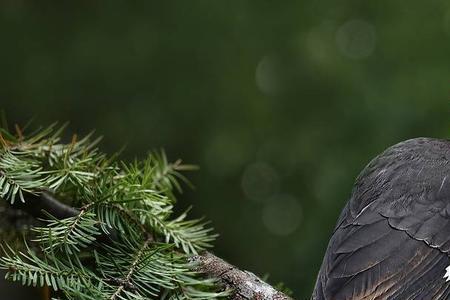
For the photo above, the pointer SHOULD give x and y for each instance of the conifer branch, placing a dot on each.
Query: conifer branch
(122, 242)
(242, 284)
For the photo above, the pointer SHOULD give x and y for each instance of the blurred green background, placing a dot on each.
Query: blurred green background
(281, 103)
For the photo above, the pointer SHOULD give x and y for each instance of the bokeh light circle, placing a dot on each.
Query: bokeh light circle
(259, 181)
(282, 215)
(267, 75)
(356, 39)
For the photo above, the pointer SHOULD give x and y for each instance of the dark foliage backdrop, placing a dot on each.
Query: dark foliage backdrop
(281, 103)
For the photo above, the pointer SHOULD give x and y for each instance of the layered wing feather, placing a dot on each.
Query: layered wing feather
(393, 237)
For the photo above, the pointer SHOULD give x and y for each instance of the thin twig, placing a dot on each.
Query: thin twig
(127, 280)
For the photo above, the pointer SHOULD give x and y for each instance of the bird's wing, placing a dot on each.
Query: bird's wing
(375, 261)
(392, 239)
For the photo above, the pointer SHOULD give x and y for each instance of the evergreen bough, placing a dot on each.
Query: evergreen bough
(121, 241)
(96, 227)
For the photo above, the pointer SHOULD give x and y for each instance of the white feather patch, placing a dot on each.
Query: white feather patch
(447, 274)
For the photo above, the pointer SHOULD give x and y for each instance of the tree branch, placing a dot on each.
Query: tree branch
(243, 284)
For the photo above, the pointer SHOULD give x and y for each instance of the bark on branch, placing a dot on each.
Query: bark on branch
(243, 284)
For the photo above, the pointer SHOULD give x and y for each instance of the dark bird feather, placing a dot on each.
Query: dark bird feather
(392, 240)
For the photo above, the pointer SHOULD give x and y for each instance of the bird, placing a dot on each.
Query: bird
(392, 238)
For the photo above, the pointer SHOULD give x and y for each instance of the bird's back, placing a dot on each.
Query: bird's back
(393, 237)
